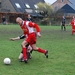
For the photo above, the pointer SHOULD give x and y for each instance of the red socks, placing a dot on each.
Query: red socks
(41, 50)
(24, 53)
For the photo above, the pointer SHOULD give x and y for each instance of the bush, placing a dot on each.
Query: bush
(45, 21)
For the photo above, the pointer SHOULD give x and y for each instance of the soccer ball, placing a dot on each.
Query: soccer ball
(7, 61)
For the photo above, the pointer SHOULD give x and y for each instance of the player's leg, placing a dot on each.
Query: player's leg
(61, 27)
(28, 55)
(32, 41)
(21, 57)
(29, 49)
(24, 43)
(40, 50)
(64, 28)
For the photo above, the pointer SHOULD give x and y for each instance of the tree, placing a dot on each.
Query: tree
(44, 9)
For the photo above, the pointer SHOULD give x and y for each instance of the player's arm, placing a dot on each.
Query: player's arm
(72, 22)
(18, 38)
(36, 27)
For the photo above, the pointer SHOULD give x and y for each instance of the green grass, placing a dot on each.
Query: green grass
(60, 44)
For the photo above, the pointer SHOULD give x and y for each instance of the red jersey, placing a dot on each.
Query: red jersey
(73, 22)
(28, 27)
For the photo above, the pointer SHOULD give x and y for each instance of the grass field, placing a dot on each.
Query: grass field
(60, 44)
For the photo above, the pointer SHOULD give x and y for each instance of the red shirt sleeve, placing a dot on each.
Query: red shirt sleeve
(34, 25)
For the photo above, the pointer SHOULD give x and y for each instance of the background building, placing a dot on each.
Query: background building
(28, 6)
(66, 6)
(14, 8)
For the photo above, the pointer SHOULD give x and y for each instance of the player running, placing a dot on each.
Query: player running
(28, 30)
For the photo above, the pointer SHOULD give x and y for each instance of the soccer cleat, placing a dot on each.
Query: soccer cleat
(21, 60)
(46, 54)
(26, 61)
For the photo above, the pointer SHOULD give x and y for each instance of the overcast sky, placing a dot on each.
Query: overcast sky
(50, 1)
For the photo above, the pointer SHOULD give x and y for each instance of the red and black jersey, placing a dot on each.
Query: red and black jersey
(28, 27)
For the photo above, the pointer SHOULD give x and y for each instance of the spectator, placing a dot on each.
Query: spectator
(28, 18)
(3, 20)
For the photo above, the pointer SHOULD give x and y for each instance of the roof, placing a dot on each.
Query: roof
(68, 8)
(72, 2)
(20, 6)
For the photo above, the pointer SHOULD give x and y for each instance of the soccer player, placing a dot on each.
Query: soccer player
(28, 18)
(63, 24)
(28, 30)
(73, 25)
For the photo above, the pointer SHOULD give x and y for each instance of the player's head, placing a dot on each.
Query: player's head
(73, 17)
(19, 20)
(29, 16)
(63, 17)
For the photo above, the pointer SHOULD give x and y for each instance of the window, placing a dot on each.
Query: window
(17, 5)
(36, 6)
(36, 11)
(56, 8)
(27, 5)
(29, 10)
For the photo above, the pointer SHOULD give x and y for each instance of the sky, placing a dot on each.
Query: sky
(50, 1)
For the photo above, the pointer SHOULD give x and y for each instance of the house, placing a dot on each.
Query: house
(66, 6)
(59, 4)
(28, 6)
